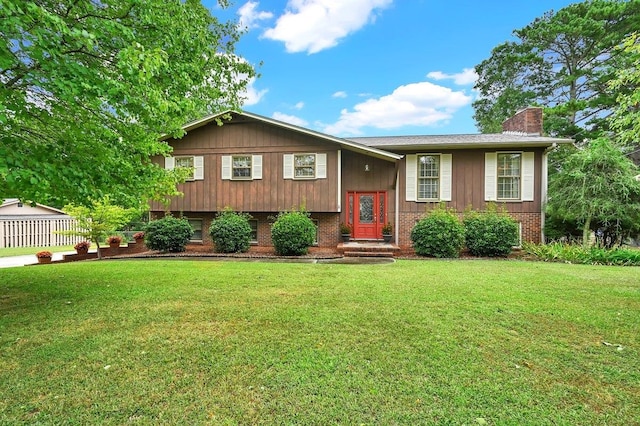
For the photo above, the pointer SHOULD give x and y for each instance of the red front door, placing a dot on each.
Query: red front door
(367, 213)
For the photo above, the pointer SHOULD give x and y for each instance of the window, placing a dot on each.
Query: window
(196, 224)
(509, 168)
(254, 230)
(304, 166)
(315, 238)
(428, 177)
(193, 162)
(241, 165)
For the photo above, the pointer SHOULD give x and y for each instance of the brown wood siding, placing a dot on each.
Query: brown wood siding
(272, 193)
(467, 184)
(380, 177)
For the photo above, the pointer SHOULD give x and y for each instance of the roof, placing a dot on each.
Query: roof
(15, 201)
(344, 143)
(486, 140)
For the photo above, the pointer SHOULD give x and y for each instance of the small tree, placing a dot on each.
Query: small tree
(231, 231)
(97, 221)
(597, 188)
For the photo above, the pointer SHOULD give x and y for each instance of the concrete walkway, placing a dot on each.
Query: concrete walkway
(28, 259)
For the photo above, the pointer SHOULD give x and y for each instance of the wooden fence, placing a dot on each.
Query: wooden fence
(36, 232)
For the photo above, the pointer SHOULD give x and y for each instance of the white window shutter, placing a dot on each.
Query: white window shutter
(226, 167)
(411, 177)
(445, 177)
(287, 171)
(169, 163)
(198, 165)
(490, 176)
(321, 166)
(256, 165)
(528, 174)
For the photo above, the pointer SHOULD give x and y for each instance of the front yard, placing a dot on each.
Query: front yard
(415, 342)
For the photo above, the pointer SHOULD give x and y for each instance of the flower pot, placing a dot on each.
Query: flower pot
(114, 245)
(44, 260)
(346, 237)
(387, 238)
(84, 250)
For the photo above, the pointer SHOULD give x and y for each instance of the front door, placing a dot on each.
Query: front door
(367, 213)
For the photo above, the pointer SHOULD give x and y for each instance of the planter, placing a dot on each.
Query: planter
(82, 250)
(44, 260)
(387, 237)
(114, 245)
(139, 240)
(346, 237)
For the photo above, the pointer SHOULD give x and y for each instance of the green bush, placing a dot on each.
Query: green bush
(168, 234)
(490, 233)
(440, 234)
(292, 233)
(231, 232)
(576, 253)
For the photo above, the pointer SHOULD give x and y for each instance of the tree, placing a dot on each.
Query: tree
(561, 61)
(598, 190)
(96, 222)
(88, 87)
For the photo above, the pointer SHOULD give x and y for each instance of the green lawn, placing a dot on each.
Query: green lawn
(415, 342)
(19, 251)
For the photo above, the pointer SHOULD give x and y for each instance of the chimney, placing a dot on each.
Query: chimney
(527, 121)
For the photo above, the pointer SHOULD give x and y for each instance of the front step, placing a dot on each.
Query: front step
(367, 249)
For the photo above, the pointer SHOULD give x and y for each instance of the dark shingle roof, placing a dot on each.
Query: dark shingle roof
(489, 140)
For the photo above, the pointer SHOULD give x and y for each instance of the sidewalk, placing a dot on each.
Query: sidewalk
(27, 259)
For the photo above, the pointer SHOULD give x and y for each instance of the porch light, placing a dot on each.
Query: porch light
(366, 167)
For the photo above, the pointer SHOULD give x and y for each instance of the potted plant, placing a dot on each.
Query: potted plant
(345, 231)
(387, 231)
(82, 247)
(138, 236)
(44, 256)
(114, 241)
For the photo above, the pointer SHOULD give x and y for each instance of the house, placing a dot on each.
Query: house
(26, 225)
(263, 166)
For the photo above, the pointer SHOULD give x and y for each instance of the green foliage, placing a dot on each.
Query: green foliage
(597, 189)
(490, 233)
(626, 120)
(571, 253)
(99, 220)
(169, 234)
(92, 85)
(439, 234)
(231, 231)
(292, 233)
(561, 61)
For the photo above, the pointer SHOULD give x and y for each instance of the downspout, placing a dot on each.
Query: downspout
(544, 189)
(397, 221)
(339, 181)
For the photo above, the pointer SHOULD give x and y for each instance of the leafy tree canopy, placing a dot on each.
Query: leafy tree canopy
(626, 119)
(561, 61)
(597, 189)
(88, 87)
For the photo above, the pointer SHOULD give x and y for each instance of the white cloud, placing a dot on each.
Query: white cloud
(415, 104)
(299, 105)
(464, 78)
(291, 119)
(252, 95)
(249, 16)
(315, 25)
(339, 94)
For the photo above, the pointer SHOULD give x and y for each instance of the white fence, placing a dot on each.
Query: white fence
(36, 232)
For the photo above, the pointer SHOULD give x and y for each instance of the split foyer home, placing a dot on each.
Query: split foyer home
(262, 166)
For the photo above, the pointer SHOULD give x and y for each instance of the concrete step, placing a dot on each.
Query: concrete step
(368, 254)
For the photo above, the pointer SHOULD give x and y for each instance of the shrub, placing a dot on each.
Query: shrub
(577, 253)
(168, 234)
(82, 245)
(138, 235)
(292, 233)
(490, 233)
(440, 234)
(231, 232)
(114, 239)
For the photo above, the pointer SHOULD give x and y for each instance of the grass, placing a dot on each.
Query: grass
(19, 251)
(415, 342)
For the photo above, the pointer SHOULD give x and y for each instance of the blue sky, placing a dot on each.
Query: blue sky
(373, 67)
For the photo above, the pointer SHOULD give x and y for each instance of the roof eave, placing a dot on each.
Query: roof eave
(476, 145)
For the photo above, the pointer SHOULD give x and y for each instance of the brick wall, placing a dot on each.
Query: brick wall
(528, 121)
(530, 223)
